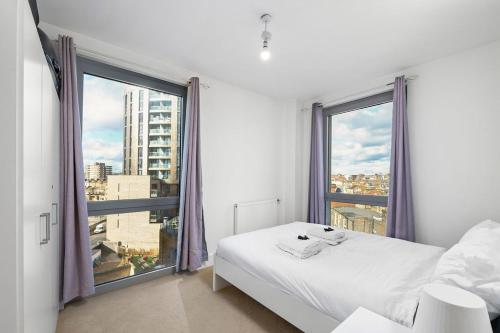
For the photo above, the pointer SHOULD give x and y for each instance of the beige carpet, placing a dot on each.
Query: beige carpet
(177, 303)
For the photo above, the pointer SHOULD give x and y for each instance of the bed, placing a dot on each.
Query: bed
(382, 274)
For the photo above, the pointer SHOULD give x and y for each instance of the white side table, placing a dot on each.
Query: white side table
(365, 321)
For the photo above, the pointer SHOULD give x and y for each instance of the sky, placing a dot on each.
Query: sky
(102, 135)
(361, 141)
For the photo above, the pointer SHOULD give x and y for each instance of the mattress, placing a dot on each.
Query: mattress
(384, 275)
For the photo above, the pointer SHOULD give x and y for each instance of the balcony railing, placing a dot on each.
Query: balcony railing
(158, 155)
(162, 166)
(160, 132)
(160, 120)
(160, 143)
(156, 108)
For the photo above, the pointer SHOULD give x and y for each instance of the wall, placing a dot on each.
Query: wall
(243, 138)
(241, 153)
(10, 183)
(454, 112)
(453, 115)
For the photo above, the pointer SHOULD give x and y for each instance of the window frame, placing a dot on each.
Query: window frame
(106, 71)
(328, 112)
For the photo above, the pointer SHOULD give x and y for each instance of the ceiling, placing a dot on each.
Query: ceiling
(317, 45)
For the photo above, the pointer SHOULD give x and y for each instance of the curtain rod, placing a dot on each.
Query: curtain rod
(203, 85)
(409, 78)
(359, 94)
(90, 52)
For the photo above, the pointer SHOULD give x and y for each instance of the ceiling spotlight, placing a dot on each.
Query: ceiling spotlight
(265, 53)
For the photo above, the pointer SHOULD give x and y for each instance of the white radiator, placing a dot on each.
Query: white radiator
(254, 215)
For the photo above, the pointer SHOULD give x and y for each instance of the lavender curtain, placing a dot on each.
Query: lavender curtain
(76, 262)
(316, 201)
(400, 207)
(191, 245)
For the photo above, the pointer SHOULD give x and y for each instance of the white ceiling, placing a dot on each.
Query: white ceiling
(317, 45)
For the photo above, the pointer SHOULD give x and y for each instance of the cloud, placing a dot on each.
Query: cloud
(102, 135)
(97, 150)
(361, 141)
(102, 104)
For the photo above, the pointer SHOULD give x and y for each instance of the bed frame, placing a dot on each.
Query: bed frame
(287, 306)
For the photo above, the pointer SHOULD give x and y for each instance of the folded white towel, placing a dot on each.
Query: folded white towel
(300, 248)
(335, 236)
(335, 242)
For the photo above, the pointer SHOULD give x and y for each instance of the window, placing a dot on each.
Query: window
(133, 211)
(358, 149)
(135, 243)
(141, 100)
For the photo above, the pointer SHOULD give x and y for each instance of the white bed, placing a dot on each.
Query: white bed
(381, 274)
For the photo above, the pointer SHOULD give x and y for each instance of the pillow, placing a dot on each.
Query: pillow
(480, 232)
(473, 264)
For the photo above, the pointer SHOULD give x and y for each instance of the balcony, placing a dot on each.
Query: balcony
(160, 120)
(160, 143)
(160, 132)
(159, 166)
(158, 156)
(160, 104)
(156, 109)
(157, 153)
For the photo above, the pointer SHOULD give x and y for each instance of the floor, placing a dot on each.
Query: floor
(176, 303)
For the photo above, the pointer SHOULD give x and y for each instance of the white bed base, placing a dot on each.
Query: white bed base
(287, 306)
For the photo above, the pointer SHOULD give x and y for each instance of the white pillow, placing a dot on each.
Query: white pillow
(473, 264)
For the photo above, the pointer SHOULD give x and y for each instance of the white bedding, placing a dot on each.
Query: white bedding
(382, 274)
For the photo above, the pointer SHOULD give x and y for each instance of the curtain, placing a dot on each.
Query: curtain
(77, 278)
(400, 207)
(316, 198)
(191, 244)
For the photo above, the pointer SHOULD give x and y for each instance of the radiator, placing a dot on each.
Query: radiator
(254, 215)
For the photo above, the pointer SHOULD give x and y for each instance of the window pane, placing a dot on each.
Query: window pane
(131, 140)
(129, 244)
(360, 150)
(364, 218)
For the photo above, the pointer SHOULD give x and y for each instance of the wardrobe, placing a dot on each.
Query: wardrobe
(40, 186)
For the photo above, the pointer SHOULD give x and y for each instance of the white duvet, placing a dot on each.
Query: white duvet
(382, 274)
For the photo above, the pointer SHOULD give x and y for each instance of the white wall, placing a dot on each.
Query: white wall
(10, 194)
(454, 117)
(242, 134)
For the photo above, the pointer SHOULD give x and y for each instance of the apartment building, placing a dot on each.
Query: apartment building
(151, 137)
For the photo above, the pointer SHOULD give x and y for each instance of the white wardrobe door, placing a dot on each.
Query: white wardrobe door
(39, 314)
(34, 279)
(54, 173)
(49, 189)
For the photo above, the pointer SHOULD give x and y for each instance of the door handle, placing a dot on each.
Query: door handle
(45, 218)
(55, 213)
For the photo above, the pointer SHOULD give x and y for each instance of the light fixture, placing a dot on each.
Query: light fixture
(444, 308)
(265, 53)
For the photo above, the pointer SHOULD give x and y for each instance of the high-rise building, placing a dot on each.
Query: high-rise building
(109, 170)
(97, 171)
(152, 137)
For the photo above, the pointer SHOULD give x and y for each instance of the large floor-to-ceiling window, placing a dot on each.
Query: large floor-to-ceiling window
(357, 156)
(131, 130)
